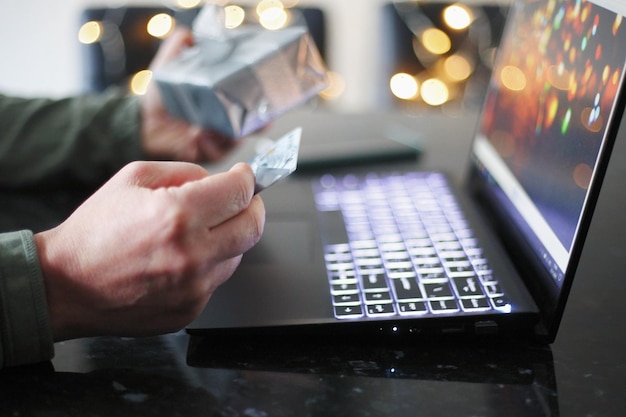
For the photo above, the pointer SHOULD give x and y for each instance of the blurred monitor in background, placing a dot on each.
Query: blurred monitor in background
(118, 43)
(439, 55)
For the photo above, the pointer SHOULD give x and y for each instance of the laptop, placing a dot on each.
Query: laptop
(392, 252)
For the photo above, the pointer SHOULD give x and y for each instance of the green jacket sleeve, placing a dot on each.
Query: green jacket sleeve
(83, 139)
(25, 333)
(44, 142)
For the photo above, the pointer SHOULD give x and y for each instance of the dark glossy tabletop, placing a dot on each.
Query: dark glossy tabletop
(582, 373)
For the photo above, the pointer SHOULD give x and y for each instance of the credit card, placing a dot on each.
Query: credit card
(277, 161)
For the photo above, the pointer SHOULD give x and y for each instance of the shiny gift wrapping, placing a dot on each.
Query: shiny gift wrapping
(240, 81)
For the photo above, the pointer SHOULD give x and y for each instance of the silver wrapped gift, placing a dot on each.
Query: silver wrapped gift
(235, 81)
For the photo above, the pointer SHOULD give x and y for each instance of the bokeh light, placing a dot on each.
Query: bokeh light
(592, 119)
(565, 123)
(457, 16)
(617, 23)
(336, 86)
(90, 32)
(582, 175)
(233, 16)
(160, 25)
(274, 18)
(404, 86)
(272, 14)
(265, 5)
(139, 82)
(552, 107)
(434, 92)
(436, 41)
(559, 77)
(458, 67)
(513, 78)
(290, 3)
(188, 4)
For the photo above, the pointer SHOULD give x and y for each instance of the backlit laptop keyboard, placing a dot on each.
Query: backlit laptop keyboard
(398, 244)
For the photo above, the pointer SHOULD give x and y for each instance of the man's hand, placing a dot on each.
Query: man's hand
(166, 137)
(143, 255)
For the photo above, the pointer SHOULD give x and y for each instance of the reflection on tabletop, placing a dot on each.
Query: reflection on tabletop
(179, 375)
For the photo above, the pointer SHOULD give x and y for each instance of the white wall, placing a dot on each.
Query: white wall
(37, 50)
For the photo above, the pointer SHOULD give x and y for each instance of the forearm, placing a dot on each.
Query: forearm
(25, 332)
(81, 139)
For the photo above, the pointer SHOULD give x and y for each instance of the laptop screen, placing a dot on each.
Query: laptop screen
(547, 118)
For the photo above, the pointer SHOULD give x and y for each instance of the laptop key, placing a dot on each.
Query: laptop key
(467, 287)
(438, 290)
(432, 275)
(344, 287)
(348, 311)
(412, 307)
(373, 281)
(407, 289)
(352, 298)
(444, 306)
(377, 297)
(342, 276)
(500, 303)
(475, 304)
(493, 289)
(382, 309)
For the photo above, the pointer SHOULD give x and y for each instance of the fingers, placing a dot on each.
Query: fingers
(229, 219)
(240, 233)
(155, 175)
(172, 46)
(215, 198)
(220, 196)
(222, 213)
